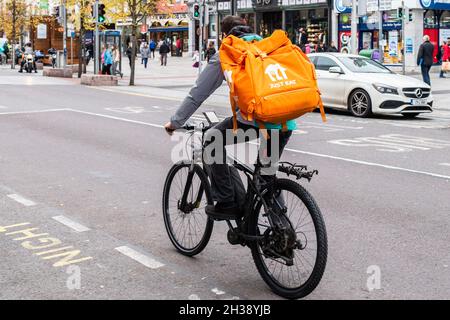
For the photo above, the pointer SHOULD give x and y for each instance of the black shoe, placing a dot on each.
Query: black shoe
(223, 211)
(20, 71)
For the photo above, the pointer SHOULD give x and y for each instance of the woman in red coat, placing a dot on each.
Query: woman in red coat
(445, 53)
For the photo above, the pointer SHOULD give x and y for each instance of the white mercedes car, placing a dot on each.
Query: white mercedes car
(363, 86)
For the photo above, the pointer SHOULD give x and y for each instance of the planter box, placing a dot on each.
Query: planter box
(98, 80)
(58, 72)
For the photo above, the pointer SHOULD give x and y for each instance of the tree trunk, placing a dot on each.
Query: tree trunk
(133, 48)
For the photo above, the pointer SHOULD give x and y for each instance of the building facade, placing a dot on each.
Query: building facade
(398, 37)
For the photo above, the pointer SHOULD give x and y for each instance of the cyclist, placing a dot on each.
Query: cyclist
(225, 182)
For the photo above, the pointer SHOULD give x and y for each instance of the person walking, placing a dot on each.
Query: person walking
(332, 47)
(107, 60)
(145, 51)
(425, 58)
(143, 43)
(116, 61)
(152, 48)
(210, 51)
(129, 53)
(163, 51)
(444, 58)
(302, 38)
(178, 45)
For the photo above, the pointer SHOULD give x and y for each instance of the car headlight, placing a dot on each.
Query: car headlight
(385, 89)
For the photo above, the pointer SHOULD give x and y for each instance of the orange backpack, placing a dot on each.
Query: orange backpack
(270, 80)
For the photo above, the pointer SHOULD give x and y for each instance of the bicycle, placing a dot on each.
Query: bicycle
(266, 225)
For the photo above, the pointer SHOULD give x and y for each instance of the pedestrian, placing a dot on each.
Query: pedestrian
(302, 38)
(444, 51)
(332, 47)
(425, 58)
(210, 51)
(143, 43)
(321, 47)
(129, 53)
(163, 51)
(145, 51)
(116, 61)
(178, 45)
(107, 60)
(152, 48)
(196, 59)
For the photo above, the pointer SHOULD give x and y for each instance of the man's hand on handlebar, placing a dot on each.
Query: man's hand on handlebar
(169, 128)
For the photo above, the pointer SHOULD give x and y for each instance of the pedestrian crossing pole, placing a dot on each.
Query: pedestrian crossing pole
(65, 32)
(200, 38)
(96, 47)
(354, 30)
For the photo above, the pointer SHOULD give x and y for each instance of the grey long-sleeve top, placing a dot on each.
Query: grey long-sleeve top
(208, 81)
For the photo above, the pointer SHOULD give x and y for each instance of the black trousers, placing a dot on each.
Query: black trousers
(226, 183)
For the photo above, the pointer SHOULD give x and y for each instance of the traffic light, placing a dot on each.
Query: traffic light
(399, 13)
(57, 11)
(196, 11)
(101, 13)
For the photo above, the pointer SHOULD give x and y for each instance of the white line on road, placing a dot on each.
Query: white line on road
(32, 111)
(140, 257)
(117, 118)
(71, 224)
(444, 164)
(18, 198)
(291, 150)
(373, 164)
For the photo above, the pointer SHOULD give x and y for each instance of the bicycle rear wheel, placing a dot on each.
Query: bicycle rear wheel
(307, 249)
(188, 227)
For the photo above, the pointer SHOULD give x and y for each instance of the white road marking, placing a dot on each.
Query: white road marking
(217, 291)
(32, 111)
(71, 224)
(117, 118)
(372, 164)
(18, 198)
(294, 150)
(140, 257)
(194, 297)
(394, 143)
(444, 164)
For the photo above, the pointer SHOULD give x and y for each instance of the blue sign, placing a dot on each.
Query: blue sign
(435, 4)
(339, 6)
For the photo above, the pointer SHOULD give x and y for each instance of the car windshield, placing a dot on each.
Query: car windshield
(363, 65)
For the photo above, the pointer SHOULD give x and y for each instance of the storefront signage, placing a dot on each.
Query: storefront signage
(436, 4)
(372, 5)
(385, 5)
(409, 45)
(342, 6)
(41, 31)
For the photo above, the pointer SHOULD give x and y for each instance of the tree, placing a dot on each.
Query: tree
(135, 10)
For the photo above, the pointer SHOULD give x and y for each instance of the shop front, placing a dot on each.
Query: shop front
(173, 30)
(436, 22)
(369, 34)
(266, 16)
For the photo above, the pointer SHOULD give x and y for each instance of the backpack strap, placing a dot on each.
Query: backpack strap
(322, 110)
(284, 127)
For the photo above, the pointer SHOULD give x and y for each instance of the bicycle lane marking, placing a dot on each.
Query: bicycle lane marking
(46, 248)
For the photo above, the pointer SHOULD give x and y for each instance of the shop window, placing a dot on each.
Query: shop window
(430, 20)
(445, 20)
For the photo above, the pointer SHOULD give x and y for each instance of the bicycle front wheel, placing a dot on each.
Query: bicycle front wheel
(291, 261)
(187, 224)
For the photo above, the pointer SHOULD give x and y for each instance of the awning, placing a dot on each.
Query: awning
(169, 29)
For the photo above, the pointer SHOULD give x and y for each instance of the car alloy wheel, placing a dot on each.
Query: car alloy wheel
(360, 104)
